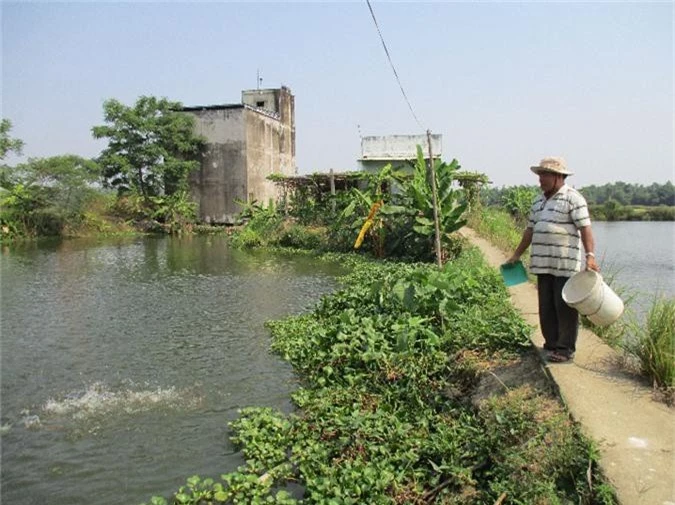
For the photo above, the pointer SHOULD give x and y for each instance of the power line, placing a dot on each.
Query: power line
(392, 65)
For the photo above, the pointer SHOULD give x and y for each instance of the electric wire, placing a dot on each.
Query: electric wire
(398, 80)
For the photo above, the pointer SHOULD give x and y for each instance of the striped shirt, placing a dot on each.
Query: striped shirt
(556, 242)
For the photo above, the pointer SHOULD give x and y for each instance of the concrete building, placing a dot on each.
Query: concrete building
(377, 151)
(246, 142)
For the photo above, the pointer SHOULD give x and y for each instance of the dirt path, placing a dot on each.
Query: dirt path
(634, 432)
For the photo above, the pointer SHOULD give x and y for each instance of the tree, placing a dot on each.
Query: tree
(69, 177)
(39, 197)
(150, 146)
(68, 171)
(8, 144)
(613, 210)
(666, 194)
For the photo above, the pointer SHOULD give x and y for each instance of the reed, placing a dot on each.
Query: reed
(653, 345)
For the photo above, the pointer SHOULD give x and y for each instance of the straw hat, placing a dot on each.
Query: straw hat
(553, 165)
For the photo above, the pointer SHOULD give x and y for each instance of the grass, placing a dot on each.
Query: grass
(499, 227)
(652, 344)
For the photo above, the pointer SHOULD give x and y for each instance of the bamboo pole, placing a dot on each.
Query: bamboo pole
(434, 195)
(332, 190)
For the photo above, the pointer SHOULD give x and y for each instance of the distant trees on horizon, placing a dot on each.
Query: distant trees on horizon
(622, 193)
(631, 194)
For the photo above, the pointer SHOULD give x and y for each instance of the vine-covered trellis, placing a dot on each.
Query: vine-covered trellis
(299, 189)
(472, 182)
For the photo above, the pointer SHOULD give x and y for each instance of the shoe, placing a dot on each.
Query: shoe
(560, 358)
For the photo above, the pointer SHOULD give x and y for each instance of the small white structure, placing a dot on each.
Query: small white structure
(377, 151)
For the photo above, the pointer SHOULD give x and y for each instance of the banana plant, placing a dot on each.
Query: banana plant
(368, 209)
(417, 191)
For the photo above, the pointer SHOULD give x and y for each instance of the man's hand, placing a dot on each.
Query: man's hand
(512, 259)
(591, 264)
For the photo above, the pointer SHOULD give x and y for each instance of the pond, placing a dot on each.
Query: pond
(123, 361)
(639, 256)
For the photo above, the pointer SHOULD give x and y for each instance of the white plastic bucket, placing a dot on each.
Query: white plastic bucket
(588, 293)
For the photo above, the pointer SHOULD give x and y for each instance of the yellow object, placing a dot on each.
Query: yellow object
(366, 226)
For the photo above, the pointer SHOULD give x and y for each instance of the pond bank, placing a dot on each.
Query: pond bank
(634, 433)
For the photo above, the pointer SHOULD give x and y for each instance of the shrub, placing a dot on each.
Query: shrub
(661, 213)
(260, 230)
(248, 238)
(301, 237)
(518, 201)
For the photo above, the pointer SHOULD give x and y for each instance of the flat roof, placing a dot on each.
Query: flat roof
(259, 110)
(397, 157)
(213, 107)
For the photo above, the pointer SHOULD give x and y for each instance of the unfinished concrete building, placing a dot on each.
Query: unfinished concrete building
(246, 142)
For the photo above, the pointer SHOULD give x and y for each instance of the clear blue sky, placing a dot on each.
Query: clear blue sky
(505, 83)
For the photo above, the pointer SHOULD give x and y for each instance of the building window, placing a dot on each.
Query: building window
(260, 104)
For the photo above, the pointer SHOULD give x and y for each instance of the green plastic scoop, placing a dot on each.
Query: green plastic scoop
(513, 273)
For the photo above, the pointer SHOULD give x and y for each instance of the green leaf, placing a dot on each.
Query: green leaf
(182, 498)
(424, 221)
(221, 495)
(392, 209)
(423, 230)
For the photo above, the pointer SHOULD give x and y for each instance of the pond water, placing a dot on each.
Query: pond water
(123, 361)
(639, 256)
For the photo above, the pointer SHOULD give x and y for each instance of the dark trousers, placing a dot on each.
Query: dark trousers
(559, 322)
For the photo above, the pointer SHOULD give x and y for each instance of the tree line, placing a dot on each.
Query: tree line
(605, 202)
(622, 193)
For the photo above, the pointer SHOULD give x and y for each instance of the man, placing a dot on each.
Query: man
(558, 225)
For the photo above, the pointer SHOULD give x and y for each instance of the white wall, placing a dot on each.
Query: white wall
(398, 147)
